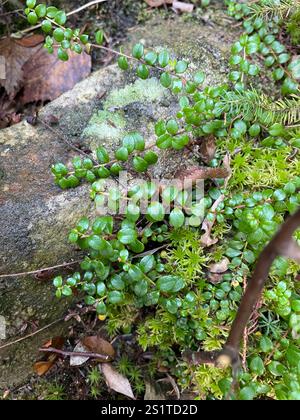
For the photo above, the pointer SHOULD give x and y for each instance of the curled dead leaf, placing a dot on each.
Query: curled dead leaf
(116, 381)
(97, 344)
(43, 366)
(208, 223)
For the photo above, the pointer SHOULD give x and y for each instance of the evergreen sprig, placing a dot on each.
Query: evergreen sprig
(270, 9)
(255, 105)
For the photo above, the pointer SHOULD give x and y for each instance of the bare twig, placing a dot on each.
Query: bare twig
(19, 340)
(41, 270)
(279, 245)
(106, 358)
(60, 135)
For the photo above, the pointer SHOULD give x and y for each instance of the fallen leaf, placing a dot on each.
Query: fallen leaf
(56, 342)
(79, 360)
(219, 267)
(116, 381)
(46, 77)
(178, 5)
(97, 344)
(16, 54)
(188, 177)
(158, 3)
(43, 366)
(183, 7)
(207, 148)
(30, 41)
(226, 164)
(39, 75)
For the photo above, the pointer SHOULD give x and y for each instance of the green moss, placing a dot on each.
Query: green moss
(293, 28)
(186, 254)
(255, 167)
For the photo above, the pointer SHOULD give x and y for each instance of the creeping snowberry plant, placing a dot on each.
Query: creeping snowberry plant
(153, 255)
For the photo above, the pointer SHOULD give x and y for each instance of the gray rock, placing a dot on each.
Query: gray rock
(36, 216)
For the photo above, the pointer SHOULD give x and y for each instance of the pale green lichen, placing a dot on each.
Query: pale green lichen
(105, 126)
(149, 90)
(108, 125)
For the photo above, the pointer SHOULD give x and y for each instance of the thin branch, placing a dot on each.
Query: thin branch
(277, 247)
(76, 354)
(61, 136)
(19, 340)
(85, 6)
(41, 270)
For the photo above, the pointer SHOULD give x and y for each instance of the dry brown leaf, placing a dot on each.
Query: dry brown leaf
(42, 76)
(226, 164)
(46, 77)
(97, 344)
(116, 381)
(207, 148)
(30, 41)
(189, 177)
(16, 54)
(43, 366)
(219, 267)
(79, 360)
